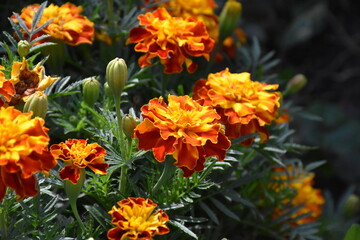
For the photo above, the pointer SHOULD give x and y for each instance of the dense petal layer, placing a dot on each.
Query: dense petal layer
(67, 23)
(76, 154)
(310, 198)
(245, 106)
(184, 129)
(173, 39)
(135, 219)
(23, 152)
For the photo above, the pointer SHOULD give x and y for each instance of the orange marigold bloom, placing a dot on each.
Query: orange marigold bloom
(202, 10)
(78, 154)
(27, 82)
(7, 89)
(68, 24)
(306, 195)
(173, 39)
(135, 219)
(23, 152)
(245, 106)
(183, 128)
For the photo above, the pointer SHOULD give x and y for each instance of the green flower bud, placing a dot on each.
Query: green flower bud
(128, 124)
(229, 18)
(116, 73)
(23, 48)
(352, 205)
(295, 84)
(108, 91)
(91, 90)
(38, 103)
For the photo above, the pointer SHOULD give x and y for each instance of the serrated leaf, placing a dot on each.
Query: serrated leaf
(22, 23)
(38, 15)
(224, 209)
(16, 28)
(42, 37)
(242, 138)
(100, 216)
(191, 219)
(209, 212)
(274, 149)
(255, 49)
(314, 165)
(33, 48)
(183, 228)
(61, 94)
(41, 27)
(11, 39)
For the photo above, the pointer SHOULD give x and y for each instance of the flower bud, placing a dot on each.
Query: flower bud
(295, 84)
(128, 124)
(352, 205)
(91, 90)
(108, 91)
(23, 48)
(38, 103)
(229, 18)
(116, 73)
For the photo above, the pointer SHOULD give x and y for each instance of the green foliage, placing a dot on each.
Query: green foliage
(353, 233)
(236, 198)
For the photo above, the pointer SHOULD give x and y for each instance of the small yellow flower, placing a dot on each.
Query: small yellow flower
(27, 82)
(135, 219)
(77, 154)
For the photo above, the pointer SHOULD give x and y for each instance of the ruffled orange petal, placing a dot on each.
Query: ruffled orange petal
(70, 173)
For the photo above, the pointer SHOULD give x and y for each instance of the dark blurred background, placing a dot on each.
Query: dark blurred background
(320, 39)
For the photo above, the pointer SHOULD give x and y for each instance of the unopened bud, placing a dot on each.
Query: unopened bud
(116, 73)
(23, 48)
(91, 90)
(295, 84)
(38, 103)
(352, 205)
(229, 18)
(128, 124)
(108, 91)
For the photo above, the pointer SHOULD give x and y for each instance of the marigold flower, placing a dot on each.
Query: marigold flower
(201, 10)
(135, 219)
(174, 40)
(245, 106)
(183, 128)
(306, 195)
(7, 89)
(27, 82)
(68, 24)
(78, 154)
(23, 152)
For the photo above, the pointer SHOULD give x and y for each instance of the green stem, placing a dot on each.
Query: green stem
(73, 191)
(167, 172)
(76, 214)
(110, 6)
(123, 179)
(118, 116)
